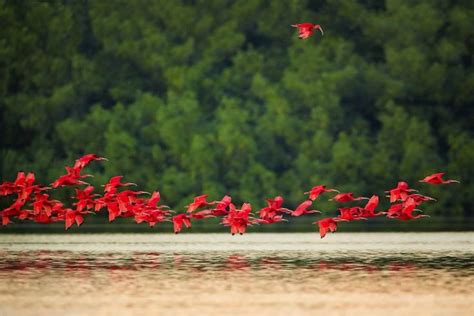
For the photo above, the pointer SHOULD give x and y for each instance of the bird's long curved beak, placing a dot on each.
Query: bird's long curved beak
(320, 29)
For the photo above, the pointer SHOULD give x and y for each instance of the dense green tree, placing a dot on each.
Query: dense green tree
(221, 97)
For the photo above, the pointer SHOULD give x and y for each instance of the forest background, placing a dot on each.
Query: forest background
(221, 97)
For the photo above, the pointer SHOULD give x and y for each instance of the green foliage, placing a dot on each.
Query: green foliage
(220, 97)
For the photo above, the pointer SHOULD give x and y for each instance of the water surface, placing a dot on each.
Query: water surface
(220, 274)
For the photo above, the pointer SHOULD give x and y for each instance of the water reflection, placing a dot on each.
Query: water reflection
(229, 262)
(290, 276)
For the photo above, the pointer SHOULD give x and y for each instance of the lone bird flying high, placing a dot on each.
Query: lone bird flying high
(307, 29)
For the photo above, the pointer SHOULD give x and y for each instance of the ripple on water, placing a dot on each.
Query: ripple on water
(278, 273)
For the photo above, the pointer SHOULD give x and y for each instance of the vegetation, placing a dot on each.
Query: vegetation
(221, 97)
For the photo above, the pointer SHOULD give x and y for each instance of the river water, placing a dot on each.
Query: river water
(219, 274)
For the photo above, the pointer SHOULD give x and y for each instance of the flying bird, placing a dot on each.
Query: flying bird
(347, 197)
(114, 183)
(401, 192)
(307, 29)
(318, 190)
(325, 225)
(437, 178)
(349, 214)
(303, 209)
(405, 211)
(199, 201)
(421, 198)
(86, 159)
(272, 213)
(179, 220)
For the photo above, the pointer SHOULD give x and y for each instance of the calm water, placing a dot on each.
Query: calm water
(217, 274)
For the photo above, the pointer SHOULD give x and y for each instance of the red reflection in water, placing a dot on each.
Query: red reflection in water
(63, 261)
(237, 263)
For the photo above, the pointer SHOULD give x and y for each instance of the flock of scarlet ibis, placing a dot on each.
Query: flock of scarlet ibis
(33, 202)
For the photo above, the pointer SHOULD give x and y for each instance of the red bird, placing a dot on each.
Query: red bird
(114, 183)
(74, 216)
(325, 225)
(347, 197)
(317, 190)
(271, 213)
(7, 188)
(152, 217)
(238, 220)
(369, 208)
(406, 211)
(349, 214)
(179, 220)
(437, 178)
(199, 201)
(85, 198)
(85, 160)
(307, 29)
(400, 192)
(70, 178)
(221, 206)
(394, 210)
(154, 199)
(421, 198)
(303, 209)
(202, 214)
(42, 203)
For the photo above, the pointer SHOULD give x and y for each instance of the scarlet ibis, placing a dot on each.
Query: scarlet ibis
(85, 198)
(31, 203)
(116, 182)
(394, 210)
(400, 192)
(202, 214)
(151, 217)
(221, 208)
(303, 209)
(437, 178)
(325, 225)
(276, 205)
(239, 219)
(74, 216)
(154, 199)
(199, 201)
(421, 198)
(347, 197)
(179, 220)
(42, 203)
(86, 159)
(406, 212)
(72, 177)
(7, 188)
(307, 29)
(349, 213)
(369, 208)
(318, 190)
(272, 212)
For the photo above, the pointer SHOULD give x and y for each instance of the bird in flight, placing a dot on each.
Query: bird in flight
(303, 209)
(437, 178)
(347, 197)
(199, 201)
(404, 211)
(318, 190)
(30, 202)
(325, 225)
(307, 29)
(401, 192)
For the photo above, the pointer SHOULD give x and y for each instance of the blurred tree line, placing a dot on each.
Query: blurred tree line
(221, 97)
